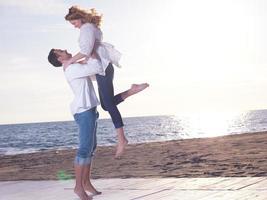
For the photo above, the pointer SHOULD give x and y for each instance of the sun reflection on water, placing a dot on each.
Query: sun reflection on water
(212, 124)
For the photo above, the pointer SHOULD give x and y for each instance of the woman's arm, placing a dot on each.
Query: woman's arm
(77, 57)
(86, 43)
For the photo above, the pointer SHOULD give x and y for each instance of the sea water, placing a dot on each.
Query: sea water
(32, 137)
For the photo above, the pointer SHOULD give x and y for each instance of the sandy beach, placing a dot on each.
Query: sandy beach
(228, 156)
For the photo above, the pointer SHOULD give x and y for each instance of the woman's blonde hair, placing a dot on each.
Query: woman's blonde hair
(87, 16)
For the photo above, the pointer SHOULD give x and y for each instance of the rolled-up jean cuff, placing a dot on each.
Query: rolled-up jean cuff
(118, 125)
(82, 161)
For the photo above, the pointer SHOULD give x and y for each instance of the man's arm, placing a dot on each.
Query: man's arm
(82, 62)
(77, 70)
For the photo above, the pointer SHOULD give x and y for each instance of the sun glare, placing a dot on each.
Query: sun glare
(207, 124)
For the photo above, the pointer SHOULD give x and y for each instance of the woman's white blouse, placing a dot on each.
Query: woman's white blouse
(91, 40)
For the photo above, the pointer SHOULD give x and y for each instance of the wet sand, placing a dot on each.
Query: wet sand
(228, 156)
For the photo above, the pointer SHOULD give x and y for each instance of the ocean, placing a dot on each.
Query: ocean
(32, 137)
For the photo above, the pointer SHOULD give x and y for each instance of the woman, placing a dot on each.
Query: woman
(90, 41)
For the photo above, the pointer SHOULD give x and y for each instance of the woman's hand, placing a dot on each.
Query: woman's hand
(83, 62)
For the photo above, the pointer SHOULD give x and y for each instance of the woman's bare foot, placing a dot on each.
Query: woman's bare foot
(120, 148)
(90, 188)
(137, 88)
(82, 194)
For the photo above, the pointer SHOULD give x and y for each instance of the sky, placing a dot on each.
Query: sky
(197, 56)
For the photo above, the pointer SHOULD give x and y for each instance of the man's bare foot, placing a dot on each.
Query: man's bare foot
(82, 194)
(138, 88)
(90, 188)
(120, 148)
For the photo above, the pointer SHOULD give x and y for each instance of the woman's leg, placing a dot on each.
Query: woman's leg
(106, 94)
(109, 103)
(117, 99)
(135, 88)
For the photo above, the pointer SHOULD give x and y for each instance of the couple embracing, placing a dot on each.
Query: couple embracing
(94, 61)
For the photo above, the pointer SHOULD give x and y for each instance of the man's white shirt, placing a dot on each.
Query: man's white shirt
(78, 77)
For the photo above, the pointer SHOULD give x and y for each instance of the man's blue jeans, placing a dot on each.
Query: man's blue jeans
(87, 123)
(108, 101)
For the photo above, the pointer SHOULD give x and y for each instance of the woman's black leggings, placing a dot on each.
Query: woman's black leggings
(108, 101)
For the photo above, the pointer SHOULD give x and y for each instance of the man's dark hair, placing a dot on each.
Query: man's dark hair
(53, 59)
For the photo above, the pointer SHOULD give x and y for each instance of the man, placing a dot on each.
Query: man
(83, 108)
